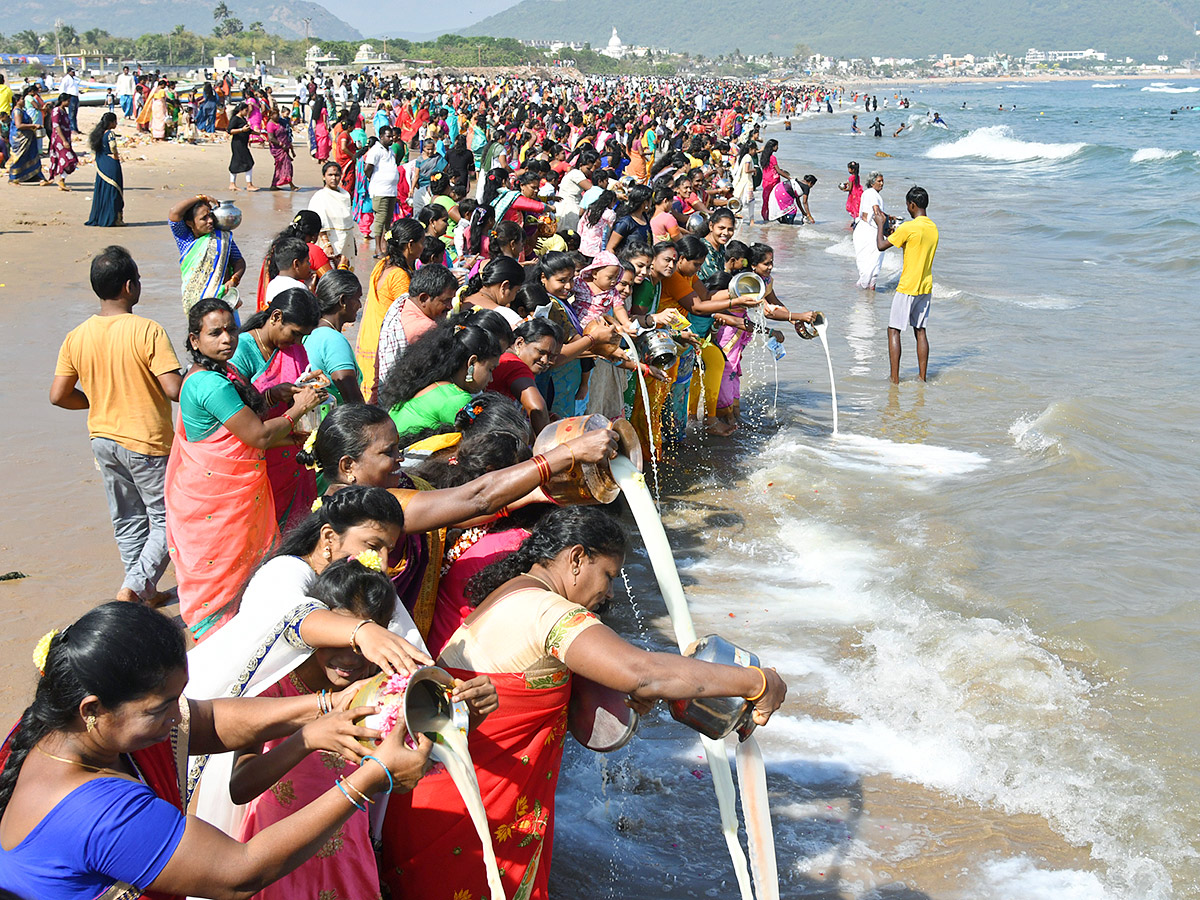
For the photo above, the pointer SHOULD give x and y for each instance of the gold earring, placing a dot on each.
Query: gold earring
(328, 553)
(90, 723)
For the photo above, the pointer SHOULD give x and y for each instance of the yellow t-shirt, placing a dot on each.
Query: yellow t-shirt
(6, 99)
(117, 360)
(919, 238)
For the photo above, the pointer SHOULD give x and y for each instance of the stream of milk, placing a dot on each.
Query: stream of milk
(451, 751)
(649, 418)
(821, 327)
(751, 774)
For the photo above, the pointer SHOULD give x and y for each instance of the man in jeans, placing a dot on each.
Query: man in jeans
(70, 87)
(122, 369)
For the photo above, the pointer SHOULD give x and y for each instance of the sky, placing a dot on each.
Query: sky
(412, 16)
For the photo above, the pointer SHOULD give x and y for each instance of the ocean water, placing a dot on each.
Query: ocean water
(983, 592)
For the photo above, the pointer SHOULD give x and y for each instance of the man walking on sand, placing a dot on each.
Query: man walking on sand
(919, 240)
(122, 369)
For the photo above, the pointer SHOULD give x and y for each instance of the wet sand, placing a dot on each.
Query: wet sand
(57, 531)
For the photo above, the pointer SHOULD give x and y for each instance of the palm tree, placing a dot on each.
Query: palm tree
(68, 36)
(93, 36)
(221, 11)
(28, 41)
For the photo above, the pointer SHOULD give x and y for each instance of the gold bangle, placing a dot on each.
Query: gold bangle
(354, 634)
(567, 447)
(763, 690)
(365, 798)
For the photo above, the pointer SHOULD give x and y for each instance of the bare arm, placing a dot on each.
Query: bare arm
(485, 495)
(176, 212)
(880, 241)
(64, 393)
(534, 403)
(251, 430)
(347, 385)
(171, 384)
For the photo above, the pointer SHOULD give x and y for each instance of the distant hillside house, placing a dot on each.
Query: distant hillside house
(1034, 56)
(225, 62)
(367, 56)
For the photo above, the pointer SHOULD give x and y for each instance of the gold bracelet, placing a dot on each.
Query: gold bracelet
(761, 692)
(354, 634)
(567, 446)
(364, 797)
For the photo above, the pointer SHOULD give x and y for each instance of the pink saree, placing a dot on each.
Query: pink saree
(220, 523)
(293, 486)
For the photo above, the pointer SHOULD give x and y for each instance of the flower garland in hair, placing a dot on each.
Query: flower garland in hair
(310, 444)
(371, 559)
(42, 650)
(465, 541)
(317, 504)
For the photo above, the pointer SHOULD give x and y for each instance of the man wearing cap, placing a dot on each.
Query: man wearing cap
(70, 87)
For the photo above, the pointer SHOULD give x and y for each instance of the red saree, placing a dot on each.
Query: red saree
(293, 487)
(430, 848)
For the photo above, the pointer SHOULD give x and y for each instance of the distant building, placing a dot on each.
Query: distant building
(225, 62)
(1035, 57)
(367, 56)
(615, 48)
(315, 58)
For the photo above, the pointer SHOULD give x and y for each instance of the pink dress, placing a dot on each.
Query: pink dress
(854, 196)
(63, 160)
(770, 178)
(345, 867)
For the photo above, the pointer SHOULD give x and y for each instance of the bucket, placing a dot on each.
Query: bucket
(715, 717)
(598, 717)
(587, 483)
(424, 700)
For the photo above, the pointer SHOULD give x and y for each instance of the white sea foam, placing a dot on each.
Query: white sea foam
(1154, 154)
(843, 248)
(1163, 89)
(997, 142)
(1098, 85)
(1002, 879)
(860, 452)
(1027, 434)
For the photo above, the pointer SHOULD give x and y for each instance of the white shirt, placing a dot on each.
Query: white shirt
(571, 192)
(279, 284)
(124, 85)
(870, 198)
(70, 85)
(385, 176)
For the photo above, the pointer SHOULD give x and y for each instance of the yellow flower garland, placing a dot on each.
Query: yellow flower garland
(42, 650)
(371, 560)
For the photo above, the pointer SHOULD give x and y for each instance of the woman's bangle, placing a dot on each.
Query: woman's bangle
(365, 799)
(543, 467)
(323, 704)
(763, 690)
(291, 421)
(354, 636)
(391, 781)
(567, 447)
(346, 794)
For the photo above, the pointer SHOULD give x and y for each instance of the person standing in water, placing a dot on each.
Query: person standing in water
(919, 240)
(877, 126)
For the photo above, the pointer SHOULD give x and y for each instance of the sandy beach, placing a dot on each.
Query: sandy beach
(58, 533)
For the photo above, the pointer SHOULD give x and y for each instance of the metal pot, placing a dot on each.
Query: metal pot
(697, 224)
(425, 702)
(657, 348)
(715, 717)
(227, 216)
(734, 205)
(598, 717)
(605, 350)
(587, 483)
(747, 284)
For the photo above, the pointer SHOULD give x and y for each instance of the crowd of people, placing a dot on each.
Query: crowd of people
(335, 509)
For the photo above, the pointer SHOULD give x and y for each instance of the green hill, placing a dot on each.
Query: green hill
(131, 18)
(863, 28)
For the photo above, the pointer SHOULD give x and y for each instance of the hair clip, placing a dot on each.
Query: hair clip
(458, 328)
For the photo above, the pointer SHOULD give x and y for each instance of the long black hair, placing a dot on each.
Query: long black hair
(477, 454)
(334, 287)
(118, 652)
(348, 584)
(435, 356)
(587, 526)
(297, 306)
(305, 225)
(503, 233)
(402, 233)
(487, 319)
(498, 270)
(692, 248)
(248, 392)
(768, 150)
(341, 511)
(96, 136)
(342, 433)
(635, 200)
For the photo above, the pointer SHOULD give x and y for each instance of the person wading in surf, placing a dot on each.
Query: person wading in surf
(919, 240)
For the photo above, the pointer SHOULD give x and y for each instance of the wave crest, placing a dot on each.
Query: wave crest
(997, 142)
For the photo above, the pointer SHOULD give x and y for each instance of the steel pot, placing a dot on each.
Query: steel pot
(715, 717)
(657, 348)
(227, 216)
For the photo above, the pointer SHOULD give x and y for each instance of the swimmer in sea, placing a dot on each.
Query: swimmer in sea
(903, 125)
(878, 126)
(854, 129)
(937, 119)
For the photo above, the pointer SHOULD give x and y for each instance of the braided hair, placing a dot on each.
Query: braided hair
(117, 652)
(436, 356)
(341, 511)
(196, 315)
(568, 526)
(343, 433)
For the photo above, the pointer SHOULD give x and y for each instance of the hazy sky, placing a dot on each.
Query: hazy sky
(412, 16)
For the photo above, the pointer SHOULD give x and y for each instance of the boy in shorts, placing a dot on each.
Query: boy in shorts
(910, 307)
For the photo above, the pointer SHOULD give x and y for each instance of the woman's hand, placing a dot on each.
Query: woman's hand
(337, 733)
(603, 333)
(657, 374)
(390, 652)
(594, 446)
(748, 302)
(770, 701)
(279, 393)
(305, 399)
(406, 765)
(640, 705)
(777, 334)
(479, 694)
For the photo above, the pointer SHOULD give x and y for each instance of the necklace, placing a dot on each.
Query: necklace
(330, 324)
(261, 347)
(73, 762)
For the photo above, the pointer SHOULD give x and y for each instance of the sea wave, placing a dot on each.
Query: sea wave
(1028, 434)
(1163, 89)
(1099, 85)
(1154, 154)
(997, 142)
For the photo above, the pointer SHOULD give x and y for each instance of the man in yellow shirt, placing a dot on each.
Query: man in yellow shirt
(919, 240)
(122, 369)
(6, 96)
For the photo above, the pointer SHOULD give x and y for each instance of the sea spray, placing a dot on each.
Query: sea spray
(633, 485)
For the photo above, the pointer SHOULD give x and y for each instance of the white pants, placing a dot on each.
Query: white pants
(867, 254)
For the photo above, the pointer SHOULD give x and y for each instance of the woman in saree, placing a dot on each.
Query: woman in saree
(771, 173)
(389, 282)
(318, 130)
(93, 794)
(279, 140)
(220, 512)
(270, 355)
(344, 150)
(209, 259)
(868, 257)
(26, 164)
(335, 207)
(153, 117)
(108, 194)
(63, 160)
(359, 445)
(535, 624)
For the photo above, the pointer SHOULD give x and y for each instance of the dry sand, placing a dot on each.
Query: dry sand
(57, 530)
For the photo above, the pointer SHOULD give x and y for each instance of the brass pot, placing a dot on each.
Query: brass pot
(586, 484)
(607, 350)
